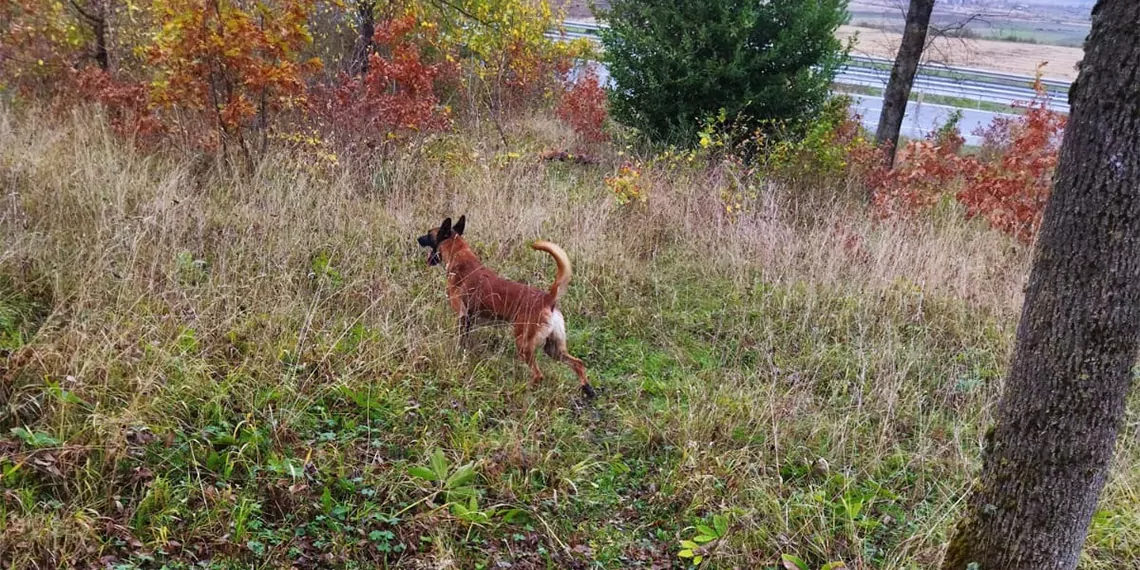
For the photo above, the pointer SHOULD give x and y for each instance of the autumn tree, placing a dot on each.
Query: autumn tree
(230, 64)
(40, 43)
(1047, 457)
(506, 56)
(394, 95)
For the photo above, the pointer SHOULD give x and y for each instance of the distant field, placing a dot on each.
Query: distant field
(1044, 31)
(1010, 57)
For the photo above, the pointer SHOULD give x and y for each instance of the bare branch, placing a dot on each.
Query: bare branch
(93, 19)
(462, 11)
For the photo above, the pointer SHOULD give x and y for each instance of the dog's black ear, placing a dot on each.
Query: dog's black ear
(444, 230)
(459, 225)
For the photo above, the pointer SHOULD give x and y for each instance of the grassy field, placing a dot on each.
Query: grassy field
(206, 370)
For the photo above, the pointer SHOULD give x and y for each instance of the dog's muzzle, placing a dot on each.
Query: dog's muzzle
(427, 241)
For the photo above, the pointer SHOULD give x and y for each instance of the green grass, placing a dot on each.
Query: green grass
(262, 372)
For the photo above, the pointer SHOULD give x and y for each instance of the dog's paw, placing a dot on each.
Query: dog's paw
(588, 391)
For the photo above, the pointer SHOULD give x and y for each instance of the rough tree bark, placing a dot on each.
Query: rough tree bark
(902, 76)
(1048, 454)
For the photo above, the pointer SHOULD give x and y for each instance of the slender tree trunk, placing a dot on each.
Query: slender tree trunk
(366, 15)
(902, 76)
(95, 14)
(1048, 455)
(101, 56)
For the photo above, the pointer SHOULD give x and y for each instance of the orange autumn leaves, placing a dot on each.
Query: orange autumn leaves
(230, 75)
(1006, 183)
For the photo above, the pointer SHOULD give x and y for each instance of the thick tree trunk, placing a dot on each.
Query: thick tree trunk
(1048, 455)
(366, 28)
(902, 76)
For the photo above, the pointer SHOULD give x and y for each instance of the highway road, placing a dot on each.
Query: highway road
(922, 118)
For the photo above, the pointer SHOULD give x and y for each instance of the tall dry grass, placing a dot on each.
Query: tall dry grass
(779, 365)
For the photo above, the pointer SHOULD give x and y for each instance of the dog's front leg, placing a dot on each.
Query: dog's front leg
(456, 299)
(465, 322)
(525, 343)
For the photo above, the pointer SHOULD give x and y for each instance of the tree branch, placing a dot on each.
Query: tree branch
(462, 11)
(84, 13)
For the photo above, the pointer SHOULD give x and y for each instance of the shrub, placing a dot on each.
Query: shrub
(675, 63)
(40, 43)
(583, 106)
(396, 95)
(825, 150)
(502, 45)
(626, 184)
(126, 103)
(927, 170)
(1007, 183)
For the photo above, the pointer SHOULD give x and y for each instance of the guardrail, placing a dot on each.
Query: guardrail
(964, 75)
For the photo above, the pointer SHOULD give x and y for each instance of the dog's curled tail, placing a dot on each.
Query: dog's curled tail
(562, 276)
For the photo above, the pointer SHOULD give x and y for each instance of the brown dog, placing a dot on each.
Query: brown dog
(475, 292)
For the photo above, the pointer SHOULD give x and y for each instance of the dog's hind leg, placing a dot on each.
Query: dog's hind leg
(555, 347)
(527, 351)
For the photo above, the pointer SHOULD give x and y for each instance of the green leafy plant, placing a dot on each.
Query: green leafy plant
(697, 548)
(385, 541)
(793, 562)
(34, 439)
(460, 496)
(454, 484)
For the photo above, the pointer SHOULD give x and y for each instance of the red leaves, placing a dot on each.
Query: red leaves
(1010, 183)
(233, 75)
(583, 107)
(1007, 183)
(396, 94)
(40, 42)
(126, 103)
(925, 170)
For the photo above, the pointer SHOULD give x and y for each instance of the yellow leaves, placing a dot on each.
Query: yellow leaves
(626, 184)
(502, 160)
(512, 28)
